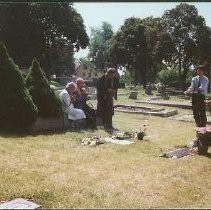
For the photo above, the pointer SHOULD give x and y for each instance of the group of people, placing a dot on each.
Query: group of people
(74, 101)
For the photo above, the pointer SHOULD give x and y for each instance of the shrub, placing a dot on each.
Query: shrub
(47, 102)
(128, 77)
(17, 109)
(168, 76)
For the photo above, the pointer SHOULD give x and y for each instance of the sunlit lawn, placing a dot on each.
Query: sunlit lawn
(56, 171)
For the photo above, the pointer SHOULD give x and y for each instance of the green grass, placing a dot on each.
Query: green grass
(56, 171)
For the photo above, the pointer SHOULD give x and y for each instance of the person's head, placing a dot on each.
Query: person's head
(111, 72)
(200, 69)
(80, 83)
(70, 87)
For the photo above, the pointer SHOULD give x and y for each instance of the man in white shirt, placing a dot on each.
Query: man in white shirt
(198, 89)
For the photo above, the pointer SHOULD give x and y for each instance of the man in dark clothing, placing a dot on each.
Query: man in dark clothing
(107, 86)
(198, 89)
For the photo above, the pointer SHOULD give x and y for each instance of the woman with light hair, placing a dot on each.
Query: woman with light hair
(67, 98)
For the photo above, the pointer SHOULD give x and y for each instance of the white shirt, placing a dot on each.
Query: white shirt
(200, 82)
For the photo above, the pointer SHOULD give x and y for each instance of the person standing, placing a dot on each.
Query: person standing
(198, 90)
(107, 86)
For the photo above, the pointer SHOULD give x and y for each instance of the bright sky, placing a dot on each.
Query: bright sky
(115, 13)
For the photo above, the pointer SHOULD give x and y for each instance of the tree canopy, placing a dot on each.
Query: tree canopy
(185, 36)
(99, 44)
(32, 29)
(129, 47)
(180, 38)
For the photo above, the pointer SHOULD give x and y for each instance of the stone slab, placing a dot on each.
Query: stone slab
(183, 105)
(19, 203)
(145, 110)
(47, 124)
(178, 153)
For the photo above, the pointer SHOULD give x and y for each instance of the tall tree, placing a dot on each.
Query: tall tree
(152, 31)
(184, 36)
(31, 29)
(61, 58)
(129, 47)
(99, 44)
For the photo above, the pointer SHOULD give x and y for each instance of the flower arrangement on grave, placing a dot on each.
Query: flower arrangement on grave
(92, 141)
(142, 131)
(123, 135)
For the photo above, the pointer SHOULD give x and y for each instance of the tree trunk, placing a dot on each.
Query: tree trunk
(183, 78)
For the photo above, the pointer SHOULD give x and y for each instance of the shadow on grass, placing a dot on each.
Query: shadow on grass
(208, 155)
(21, 134)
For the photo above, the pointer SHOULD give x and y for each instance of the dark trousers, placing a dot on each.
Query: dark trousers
(199, 109)
(105, 110)
(90, 116)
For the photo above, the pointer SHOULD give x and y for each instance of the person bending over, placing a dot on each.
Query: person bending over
(67, 98)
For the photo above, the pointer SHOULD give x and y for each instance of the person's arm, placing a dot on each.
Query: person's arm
(66, 100)
(191, 88)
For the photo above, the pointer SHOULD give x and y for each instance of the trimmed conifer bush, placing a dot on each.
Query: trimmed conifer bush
(47, 102)
(17, 109)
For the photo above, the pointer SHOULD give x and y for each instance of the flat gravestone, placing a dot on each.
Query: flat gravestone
(19, 203)
(178, 153)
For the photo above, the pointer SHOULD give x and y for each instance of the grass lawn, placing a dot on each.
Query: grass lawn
(56, 171)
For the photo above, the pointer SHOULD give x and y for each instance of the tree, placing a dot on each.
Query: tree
(17, 109)
(184, 36)
(31, 30)
(129, 48)
(43, 96)
(61, 58)
(99, 44)
(152, 31)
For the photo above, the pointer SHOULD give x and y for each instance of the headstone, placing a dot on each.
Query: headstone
(133, 95)
(203, 135)
(161, 88)
(19, 203)
(148, 89)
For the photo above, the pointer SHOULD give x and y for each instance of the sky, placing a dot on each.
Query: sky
(115, 13)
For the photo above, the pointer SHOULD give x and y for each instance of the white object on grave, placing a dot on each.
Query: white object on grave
(116, 141)
(19, 203)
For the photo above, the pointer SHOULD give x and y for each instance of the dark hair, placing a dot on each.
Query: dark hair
(202, 67)
(111, 71)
